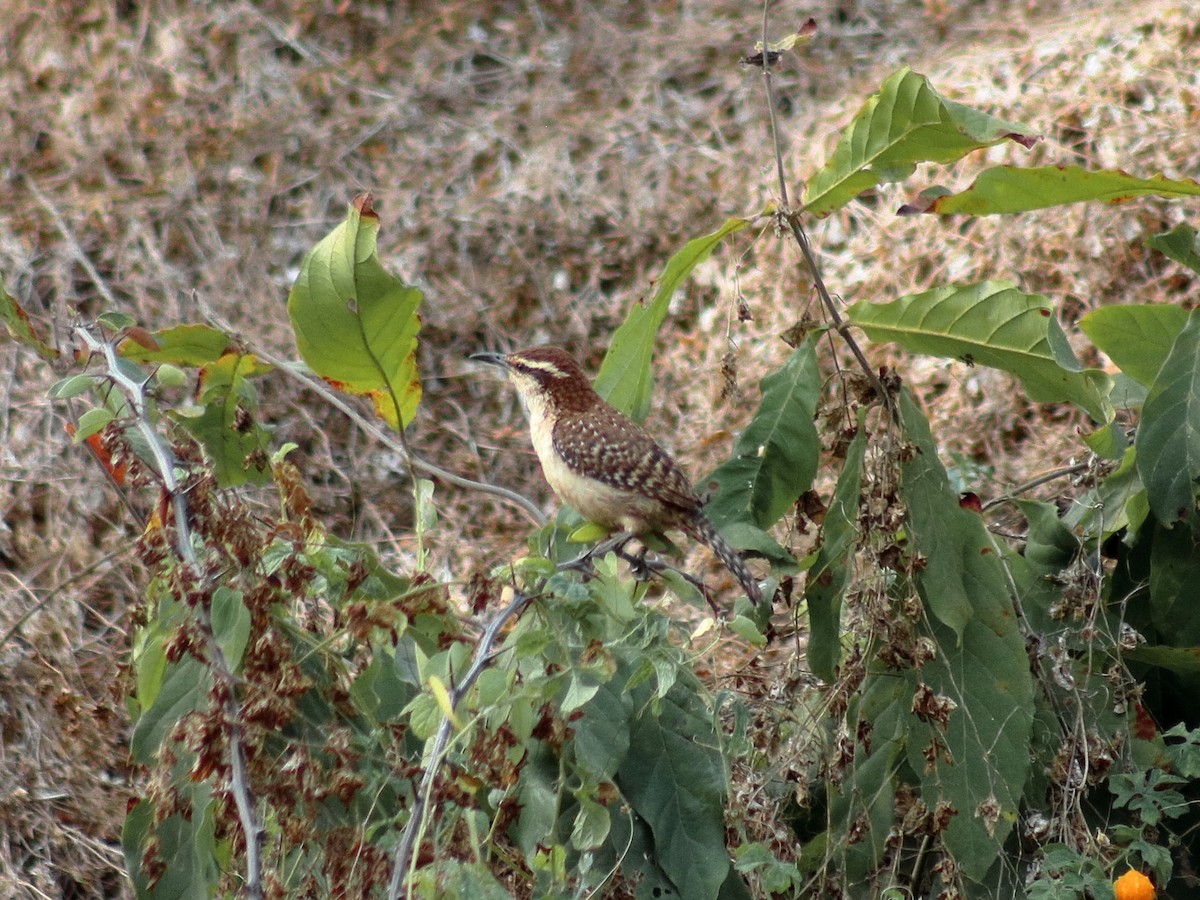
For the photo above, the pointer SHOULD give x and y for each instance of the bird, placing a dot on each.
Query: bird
(601, 463)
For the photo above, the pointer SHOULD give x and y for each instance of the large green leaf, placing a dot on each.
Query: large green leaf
(540, 795)
(1168, 438)
(674, 778)
(225, 422)
(602, 730)
(991, 323)
(1174, 574)
(1181, 660)
(864, 803)
(906, 122)
(827, 579)
(355, 325)
(625, 379)
(775, 457)
(951, 540)
(1010, 189)
(1181, 243)
(981, 664)
(1136, 338)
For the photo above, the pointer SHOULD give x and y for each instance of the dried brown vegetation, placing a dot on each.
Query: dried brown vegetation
(535, 164)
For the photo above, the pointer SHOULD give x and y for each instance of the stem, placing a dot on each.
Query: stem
(483, 655)
(791, 218)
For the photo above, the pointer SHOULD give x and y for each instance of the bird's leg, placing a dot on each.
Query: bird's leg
(612, 543)
(642, 566)
(639, 566)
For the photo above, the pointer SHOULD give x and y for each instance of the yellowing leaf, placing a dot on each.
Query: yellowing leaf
(442, 696)
(355, 325)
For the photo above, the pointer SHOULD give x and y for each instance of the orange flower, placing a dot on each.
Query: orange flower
(1133, 885)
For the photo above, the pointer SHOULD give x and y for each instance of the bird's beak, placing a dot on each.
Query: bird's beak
(495, 359)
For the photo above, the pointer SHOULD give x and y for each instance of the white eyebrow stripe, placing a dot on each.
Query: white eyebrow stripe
(539, 365)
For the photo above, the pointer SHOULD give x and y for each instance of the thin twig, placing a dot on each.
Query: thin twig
(1044, 478)
(372, 428)
(40, 602)
(791, 218)
(766, 67)
(483, 657)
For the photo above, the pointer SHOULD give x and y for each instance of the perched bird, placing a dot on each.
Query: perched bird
(603, 464)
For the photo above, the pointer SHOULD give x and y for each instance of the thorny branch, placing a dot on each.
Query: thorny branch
(165, 465)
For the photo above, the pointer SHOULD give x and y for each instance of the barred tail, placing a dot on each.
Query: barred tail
(702, 530)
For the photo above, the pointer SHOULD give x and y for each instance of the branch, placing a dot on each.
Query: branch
(164, 462)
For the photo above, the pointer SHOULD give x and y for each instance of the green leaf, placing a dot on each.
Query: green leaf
(184, 690)
(591, 827)
(355, 325)
(775, 457)
(1010, 189)
(1108, 442)
(1183, 660)
(1181, 243)
(186, 847)
(538, 792)
(169, 376)
(380, 690)
(992, 324)
(865, 799)
(602, 732)
(747, 630)
(182, 345)
(16, 323)
(225, 425)
(451, 879)
(906, 122)
(230, 625)
(1168, 438)
(1050, 546)
(71, 387)
(956, 548)
(424, 715)
(581, 688)
(827, 579)
(981, 666)
(775, 877)
(1137, 338)
(91, 422)
(625, 379)
(674, 777)
(744, 536)
(116, 321)
(1174, 574)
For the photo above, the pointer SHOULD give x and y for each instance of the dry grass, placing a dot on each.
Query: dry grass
(534, 164)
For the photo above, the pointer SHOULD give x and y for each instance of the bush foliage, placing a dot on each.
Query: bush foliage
(989, 714)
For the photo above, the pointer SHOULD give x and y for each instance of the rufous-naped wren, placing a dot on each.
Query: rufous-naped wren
(601, 463)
